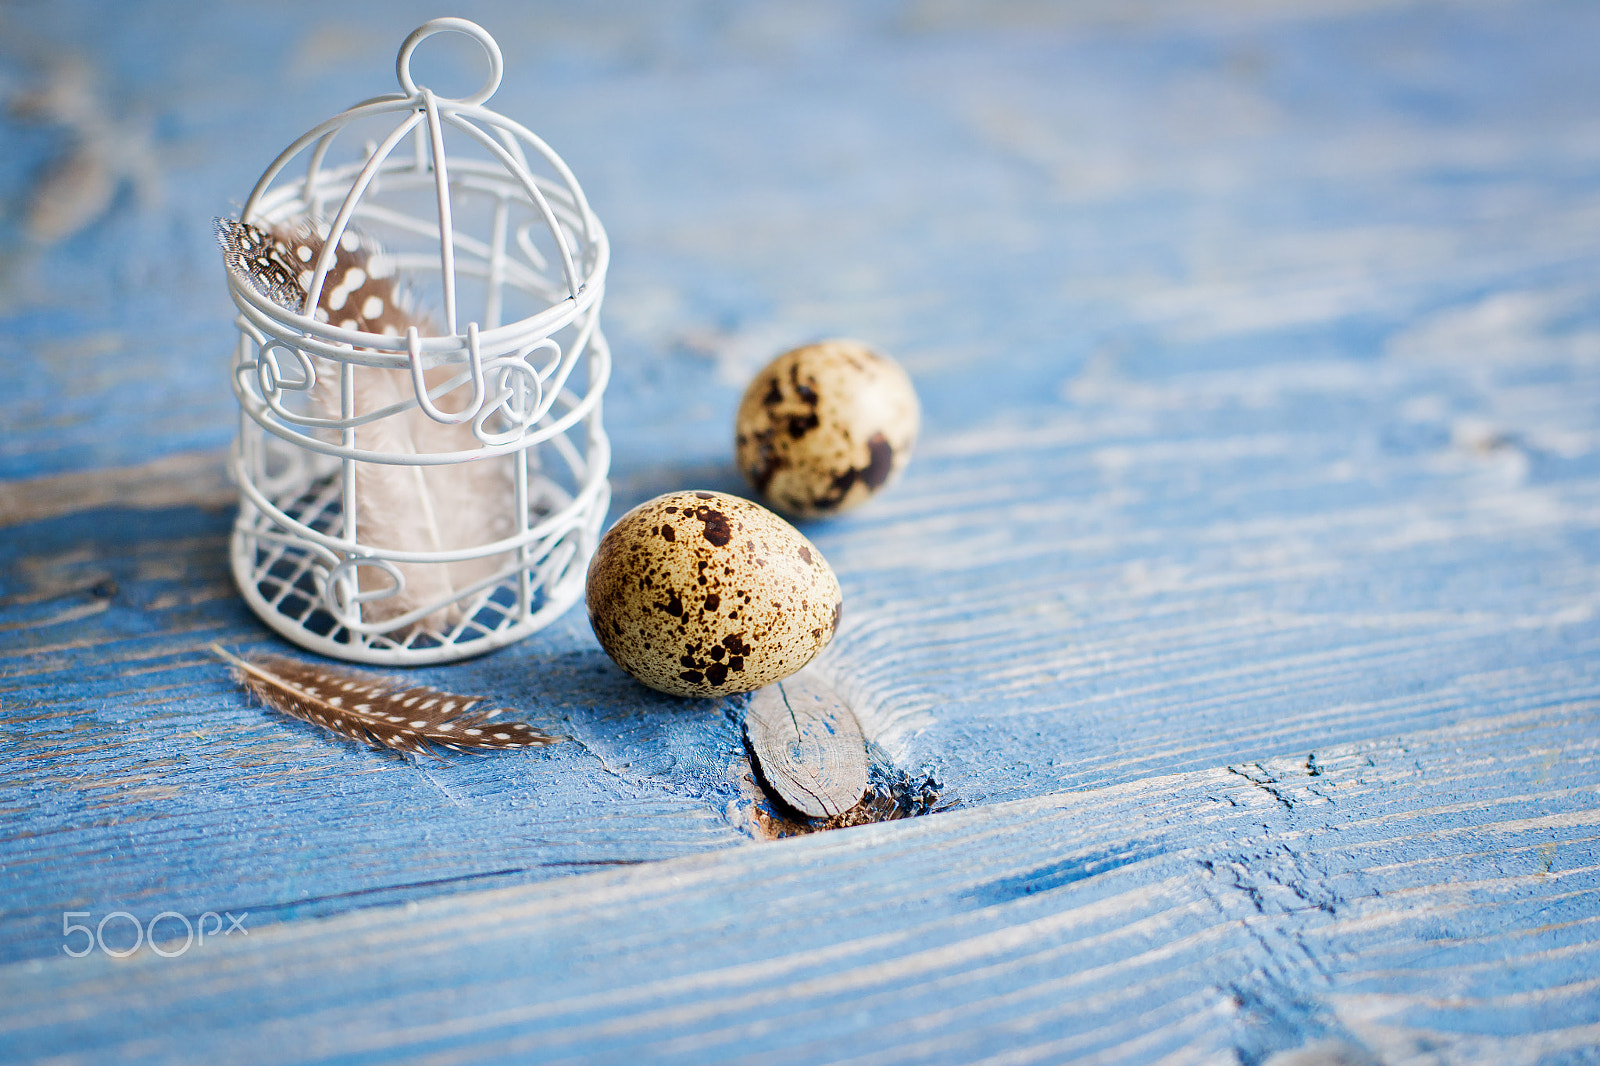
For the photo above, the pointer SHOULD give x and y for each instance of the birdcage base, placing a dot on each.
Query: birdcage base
(284, 577)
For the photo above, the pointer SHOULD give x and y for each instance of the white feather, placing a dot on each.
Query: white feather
(399, 507)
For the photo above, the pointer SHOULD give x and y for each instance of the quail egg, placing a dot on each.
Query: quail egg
(703, 594)
(826, 426)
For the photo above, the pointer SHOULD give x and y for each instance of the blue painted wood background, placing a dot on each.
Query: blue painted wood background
(1243, 588)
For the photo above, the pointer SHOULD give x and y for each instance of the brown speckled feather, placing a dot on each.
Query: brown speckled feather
(360, 291)
(379, 710)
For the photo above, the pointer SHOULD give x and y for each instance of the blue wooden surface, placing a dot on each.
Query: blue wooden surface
(1259, 349)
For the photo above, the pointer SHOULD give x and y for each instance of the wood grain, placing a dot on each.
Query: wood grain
(807, 745)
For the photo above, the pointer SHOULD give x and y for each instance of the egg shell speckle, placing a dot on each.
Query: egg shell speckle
(703, 594)
(824, 427)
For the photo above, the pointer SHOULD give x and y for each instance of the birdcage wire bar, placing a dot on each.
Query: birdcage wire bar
(301, 548)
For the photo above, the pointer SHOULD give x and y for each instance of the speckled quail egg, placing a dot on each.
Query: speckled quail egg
(826, 426)
(702, 594)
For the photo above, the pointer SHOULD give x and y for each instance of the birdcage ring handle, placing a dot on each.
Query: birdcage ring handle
(402, 65)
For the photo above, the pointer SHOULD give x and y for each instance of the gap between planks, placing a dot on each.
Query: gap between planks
(186, 479)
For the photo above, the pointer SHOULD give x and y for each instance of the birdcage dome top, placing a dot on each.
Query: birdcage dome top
(483, 219)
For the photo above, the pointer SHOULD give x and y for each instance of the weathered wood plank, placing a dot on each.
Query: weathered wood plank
(1394, 896)
(136, 774)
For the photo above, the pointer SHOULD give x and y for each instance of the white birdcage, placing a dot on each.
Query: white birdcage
(424, 497)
